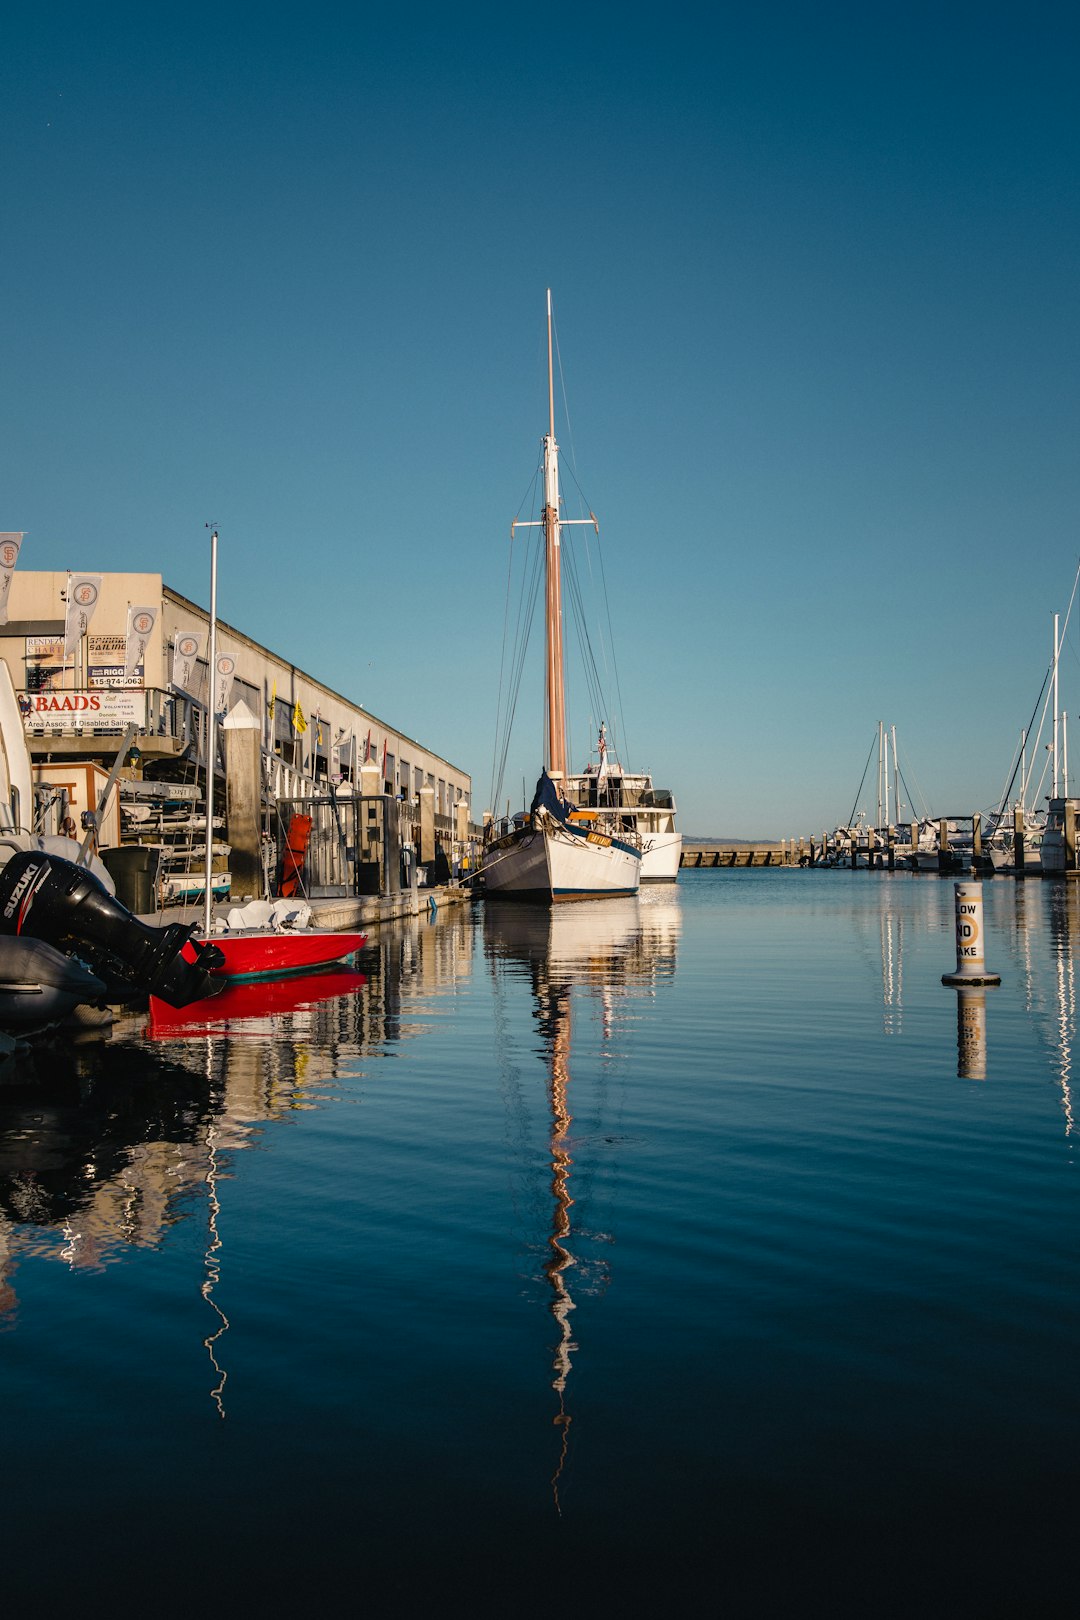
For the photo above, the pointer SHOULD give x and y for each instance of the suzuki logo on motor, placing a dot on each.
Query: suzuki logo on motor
(20, 889)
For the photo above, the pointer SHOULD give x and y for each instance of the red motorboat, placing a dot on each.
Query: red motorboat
(256, 999)
(276, 953)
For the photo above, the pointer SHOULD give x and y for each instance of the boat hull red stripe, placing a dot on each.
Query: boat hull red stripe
(252, 1000)
(269, 954)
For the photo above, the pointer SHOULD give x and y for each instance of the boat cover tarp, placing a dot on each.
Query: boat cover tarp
(547, 798)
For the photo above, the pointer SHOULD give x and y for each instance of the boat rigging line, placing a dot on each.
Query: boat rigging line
(858, 795)
(504, 721)
(603, 709)
(608, 646)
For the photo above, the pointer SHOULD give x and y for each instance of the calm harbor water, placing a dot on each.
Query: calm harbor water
(695, 1250)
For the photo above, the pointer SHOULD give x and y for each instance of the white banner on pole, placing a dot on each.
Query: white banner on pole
(9, 556)
(185, 654)
(140, 627)
(83, 591)
(226, 666)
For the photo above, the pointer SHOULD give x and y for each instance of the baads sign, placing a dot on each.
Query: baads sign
(71, 711)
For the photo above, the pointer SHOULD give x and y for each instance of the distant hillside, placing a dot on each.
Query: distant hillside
(722, 841)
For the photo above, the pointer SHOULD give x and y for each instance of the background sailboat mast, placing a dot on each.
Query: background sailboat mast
(556, 709)
(1057, 650)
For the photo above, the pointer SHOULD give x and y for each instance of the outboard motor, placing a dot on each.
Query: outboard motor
(48, 898)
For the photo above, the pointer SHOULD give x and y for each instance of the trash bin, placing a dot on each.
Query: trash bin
(134, 870)
(408, 866)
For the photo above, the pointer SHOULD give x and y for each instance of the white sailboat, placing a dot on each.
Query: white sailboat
(559, 851)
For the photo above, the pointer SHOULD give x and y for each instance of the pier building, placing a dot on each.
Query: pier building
(133, 652)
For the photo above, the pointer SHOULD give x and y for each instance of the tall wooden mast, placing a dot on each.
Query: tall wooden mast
(553, 524)
(556, 700)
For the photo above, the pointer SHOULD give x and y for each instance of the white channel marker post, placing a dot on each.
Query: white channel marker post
(970, 950)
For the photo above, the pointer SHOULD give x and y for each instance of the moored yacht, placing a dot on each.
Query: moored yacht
(1059, 842)
(640, 807)
(999, 847)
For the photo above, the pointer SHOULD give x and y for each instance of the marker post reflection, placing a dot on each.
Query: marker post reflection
(971, 1033)
(970, 981)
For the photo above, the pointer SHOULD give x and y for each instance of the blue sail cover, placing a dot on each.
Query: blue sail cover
(546, 798)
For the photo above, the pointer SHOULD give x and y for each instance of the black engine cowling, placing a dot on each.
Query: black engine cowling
(48, 898)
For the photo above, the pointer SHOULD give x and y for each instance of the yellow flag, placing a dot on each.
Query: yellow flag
(299, 723)
(273, 700)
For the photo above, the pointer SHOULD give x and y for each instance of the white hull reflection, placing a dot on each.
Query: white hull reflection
(618, 942)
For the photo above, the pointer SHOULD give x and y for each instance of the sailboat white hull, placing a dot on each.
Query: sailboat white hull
(548, 865)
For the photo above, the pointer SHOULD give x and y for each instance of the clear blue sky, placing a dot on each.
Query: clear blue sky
(815, 270)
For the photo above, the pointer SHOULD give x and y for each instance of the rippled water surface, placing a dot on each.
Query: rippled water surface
(700, 1250)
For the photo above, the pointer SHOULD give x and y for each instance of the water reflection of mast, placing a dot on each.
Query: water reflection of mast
(554, 1007)
(211, 1261)
(892, 984)
(1065, 986)
(604, 951)
(1023, 936)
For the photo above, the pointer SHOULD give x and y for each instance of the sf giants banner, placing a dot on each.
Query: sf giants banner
(9, 556)
(185, 655)
(83, 591)
(226, 668)
(140, 626)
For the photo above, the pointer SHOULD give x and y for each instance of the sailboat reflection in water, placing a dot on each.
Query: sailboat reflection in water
(212, 1266)
(615, 948)
(554, 1016)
